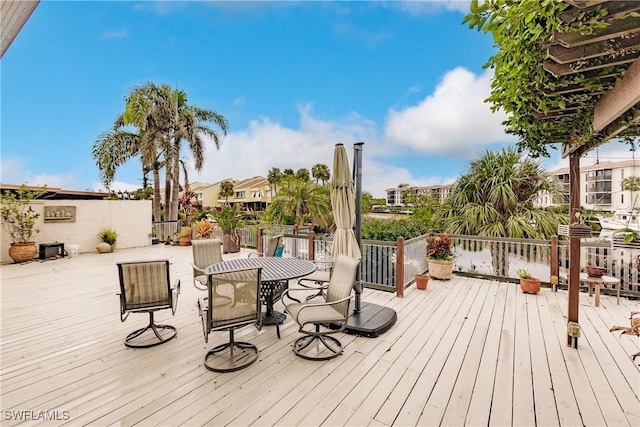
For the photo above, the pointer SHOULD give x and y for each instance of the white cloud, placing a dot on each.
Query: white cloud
(15, 171)
(452, 121)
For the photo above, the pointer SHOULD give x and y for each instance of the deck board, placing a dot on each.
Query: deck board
(464, 352)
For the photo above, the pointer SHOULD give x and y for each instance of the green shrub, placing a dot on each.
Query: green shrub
(108, 235)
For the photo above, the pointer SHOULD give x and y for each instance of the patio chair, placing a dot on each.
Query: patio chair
(317, 344)
(145, 286)
(232, 302)
(205, 253)
(273, 248)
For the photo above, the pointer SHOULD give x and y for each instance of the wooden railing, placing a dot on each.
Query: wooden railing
(392, 266)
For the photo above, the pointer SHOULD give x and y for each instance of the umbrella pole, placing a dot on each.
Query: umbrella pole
(369, 320)
(357, 179)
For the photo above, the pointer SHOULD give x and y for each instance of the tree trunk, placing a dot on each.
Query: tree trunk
(175, 190)
(167, 195)
(157, 217)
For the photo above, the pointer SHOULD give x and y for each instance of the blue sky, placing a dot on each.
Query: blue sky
(292, 78)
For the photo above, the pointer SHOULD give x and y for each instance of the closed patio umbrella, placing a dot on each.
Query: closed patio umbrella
(342, 194)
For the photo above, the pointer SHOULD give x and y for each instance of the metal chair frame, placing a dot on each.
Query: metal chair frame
(241, 354)
(341, 283)
(126, 306)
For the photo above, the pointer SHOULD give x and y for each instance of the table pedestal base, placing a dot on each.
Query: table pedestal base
(273, 318)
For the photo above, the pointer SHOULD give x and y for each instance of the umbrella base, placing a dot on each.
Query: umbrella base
(371, 321)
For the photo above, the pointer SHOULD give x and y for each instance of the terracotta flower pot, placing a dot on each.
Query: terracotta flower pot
(22, 252)
(530, 286)
(421, 281)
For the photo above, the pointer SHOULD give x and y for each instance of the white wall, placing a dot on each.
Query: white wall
(130, 218)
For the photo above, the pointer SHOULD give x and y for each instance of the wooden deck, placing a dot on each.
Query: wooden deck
(463, 352)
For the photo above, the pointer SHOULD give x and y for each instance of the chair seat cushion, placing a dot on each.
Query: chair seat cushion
(314, 314)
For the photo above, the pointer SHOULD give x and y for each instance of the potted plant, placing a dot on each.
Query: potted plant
(189, 209)
(229, 220)
(440, 256)
(204, 229)
(107, 238)
(19, 220)
(528, 283)
(421, 281)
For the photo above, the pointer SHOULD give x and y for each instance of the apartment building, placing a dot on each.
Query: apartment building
(600, 186)
(396, 196)
(207, 195)
(254, 193)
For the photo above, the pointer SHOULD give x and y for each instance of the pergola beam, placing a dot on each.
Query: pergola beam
(565, 55)
(619, 28)
(618, 100)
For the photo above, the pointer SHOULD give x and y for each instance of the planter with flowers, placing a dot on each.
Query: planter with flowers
(440, 256)
(188, 210)
(19, 220)
(229, 219)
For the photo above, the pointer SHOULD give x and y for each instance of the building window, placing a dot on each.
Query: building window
(622, 198)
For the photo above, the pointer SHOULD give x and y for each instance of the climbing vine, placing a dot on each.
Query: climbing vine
(522, 31)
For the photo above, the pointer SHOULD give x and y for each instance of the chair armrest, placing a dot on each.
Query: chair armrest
(197, 270)
(174, 298)
(203, 308)
(255, 254)
(288, 291)
(123, 315)
(319, 284)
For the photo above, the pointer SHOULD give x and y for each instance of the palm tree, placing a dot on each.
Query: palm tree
(302, 174)
(114, 148)
(495, 198)
(321, 173)
(288, 172)
(163, 119)
(631, 183)
(274, 176)
(189, 123)
(303, 201)
(226, 190)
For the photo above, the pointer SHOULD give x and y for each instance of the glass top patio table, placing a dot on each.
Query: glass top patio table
(276, 273)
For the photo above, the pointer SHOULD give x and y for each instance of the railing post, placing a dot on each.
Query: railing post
(259, 240)
(555, 265)
(400, 266)
(311, 252)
